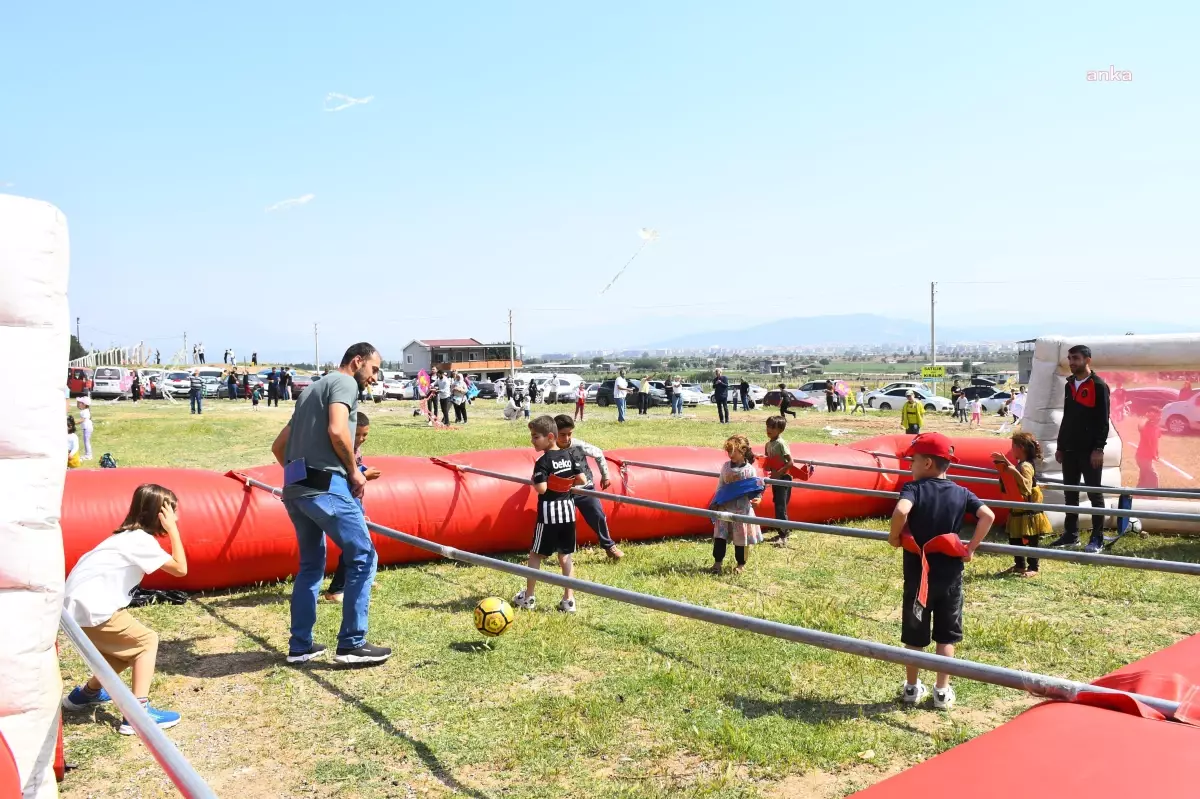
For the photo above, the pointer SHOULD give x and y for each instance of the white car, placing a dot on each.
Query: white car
(757, 393)
(592, 390)
(895, 399)
(1182, 417)
(179, 383)
(994, 403)
(906, 385)
(399, 388)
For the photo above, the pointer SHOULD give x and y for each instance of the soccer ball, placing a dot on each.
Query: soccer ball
(1135, 526)
(493, 616)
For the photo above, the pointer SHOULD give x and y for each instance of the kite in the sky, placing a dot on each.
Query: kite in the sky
(647, 235)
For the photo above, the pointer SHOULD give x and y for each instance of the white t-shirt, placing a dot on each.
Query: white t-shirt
(85, 415)
(976, 406)
(72, 444)
(444, 385)
(620, 388)
(102, 580)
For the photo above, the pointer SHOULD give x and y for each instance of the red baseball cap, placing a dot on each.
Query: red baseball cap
(934, 444)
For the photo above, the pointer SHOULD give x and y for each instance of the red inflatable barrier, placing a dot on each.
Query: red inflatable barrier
(10, 779)
(238, 537)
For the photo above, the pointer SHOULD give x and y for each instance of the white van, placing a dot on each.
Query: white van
(112, 381)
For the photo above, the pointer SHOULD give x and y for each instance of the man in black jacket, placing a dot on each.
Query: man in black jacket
(1081, 440)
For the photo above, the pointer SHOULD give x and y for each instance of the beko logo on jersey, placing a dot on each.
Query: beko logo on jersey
(563, 464)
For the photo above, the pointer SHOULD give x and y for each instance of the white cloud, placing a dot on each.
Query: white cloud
(283, 205)
(7, 185)
(343, 101)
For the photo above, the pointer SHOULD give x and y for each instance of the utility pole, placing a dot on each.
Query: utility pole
(932, 336)
(77, 330)
(185, 352)
(316, 350)
(512, 356)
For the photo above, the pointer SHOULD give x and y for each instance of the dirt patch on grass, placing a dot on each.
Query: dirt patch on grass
(829, 784)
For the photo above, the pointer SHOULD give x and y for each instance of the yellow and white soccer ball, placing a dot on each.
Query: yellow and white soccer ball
(493, 616)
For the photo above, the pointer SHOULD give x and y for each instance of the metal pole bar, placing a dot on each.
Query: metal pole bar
(995, 503)
(1037, 684)
(853, 467)
(177, 767)
(1068, 556)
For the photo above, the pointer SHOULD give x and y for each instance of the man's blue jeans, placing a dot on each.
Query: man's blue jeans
(336, 514)
(677, 404)
(197, 402)
(621, 409)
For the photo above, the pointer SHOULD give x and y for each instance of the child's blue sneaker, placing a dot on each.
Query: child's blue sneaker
(165, 719)
(78, 699)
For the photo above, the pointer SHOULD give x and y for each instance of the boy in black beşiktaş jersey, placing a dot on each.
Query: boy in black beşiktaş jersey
(554, 474)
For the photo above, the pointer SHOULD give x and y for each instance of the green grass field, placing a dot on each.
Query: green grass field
(614, 702)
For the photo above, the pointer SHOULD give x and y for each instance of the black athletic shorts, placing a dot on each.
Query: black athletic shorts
(555, 531)
(943, 612)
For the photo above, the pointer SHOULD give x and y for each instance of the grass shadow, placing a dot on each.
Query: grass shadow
(253, 599)
(819, 711)
(447, 606)
(422, 750)
(472, 647)
(658, 650)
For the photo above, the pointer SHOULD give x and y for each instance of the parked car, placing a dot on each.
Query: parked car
(592, 390)
(978, 392)
(894, 399)
(223, 388)
(604, 394)
(301, 382)
(487, 389)
(693, 396)
(799, 399)
(79, 381)
(1182, 416)
(1142, 400)
(400, 389)
(996, 401)
(757, 393)
(813, 386)
(178, 383)
(112, 381)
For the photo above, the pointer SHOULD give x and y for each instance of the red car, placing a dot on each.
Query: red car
(799, 399)
(79, 381)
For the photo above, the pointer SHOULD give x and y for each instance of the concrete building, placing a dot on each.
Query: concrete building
(487, 361)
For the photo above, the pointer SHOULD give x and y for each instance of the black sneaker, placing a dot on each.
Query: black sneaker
(364, 655)
(314, 651)
(1064, 540)
(1095, 545)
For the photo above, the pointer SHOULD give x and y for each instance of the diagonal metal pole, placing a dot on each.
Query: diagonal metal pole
(1037, 684)
(190, 784)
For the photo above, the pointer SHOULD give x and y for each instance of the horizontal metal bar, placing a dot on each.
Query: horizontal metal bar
(1169, 493)
(1037, 684)
(177, 767)
(959, 466)
(1065, 555)
(1086, 510)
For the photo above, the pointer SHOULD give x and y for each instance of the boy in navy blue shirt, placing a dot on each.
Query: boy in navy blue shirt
(926, 523)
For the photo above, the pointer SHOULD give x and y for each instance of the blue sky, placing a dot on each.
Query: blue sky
(796, 160)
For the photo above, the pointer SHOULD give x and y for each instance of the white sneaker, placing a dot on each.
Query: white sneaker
(912, 694)
(567, 605)
(524, 602)
(943, 698)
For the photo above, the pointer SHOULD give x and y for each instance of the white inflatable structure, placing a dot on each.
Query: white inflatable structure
(34, 342)
(1044, 405)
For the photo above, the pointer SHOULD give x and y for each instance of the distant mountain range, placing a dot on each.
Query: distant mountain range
(867, 329)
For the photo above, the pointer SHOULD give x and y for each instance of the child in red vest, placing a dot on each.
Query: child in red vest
(1150, 432)
(926, 523)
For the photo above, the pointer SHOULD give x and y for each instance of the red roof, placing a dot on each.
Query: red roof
(451, 342)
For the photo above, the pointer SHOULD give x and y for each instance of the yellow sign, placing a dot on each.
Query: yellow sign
(933, 371)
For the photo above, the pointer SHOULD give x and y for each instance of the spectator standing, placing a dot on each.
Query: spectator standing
(912, 415)
(1149, 432)
(135, 391)
(830, 397)
(273, 387)
(254, 359)
(85, 422)
(445, 396)
(721, 396)
(860, 401)
(744, 391)
(580, 400)
(1081, 440)
(201, 345)
(669, 391)
(620, 391)
(72, 444)
(157, 358)
(458, 395)
(321, 485)
(246, 385)
(677, 396)
(552, 389)
(196, 392)
(231, 382)
(644, 396)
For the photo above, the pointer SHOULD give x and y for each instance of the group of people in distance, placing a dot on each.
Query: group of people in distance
(320, 450)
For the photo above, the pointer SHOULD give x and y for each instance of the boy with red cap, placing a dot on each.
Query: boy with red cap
(926, 523)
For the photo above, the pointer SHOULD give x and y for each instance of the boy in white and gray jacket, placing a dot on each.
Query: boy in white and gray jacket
(589, 507)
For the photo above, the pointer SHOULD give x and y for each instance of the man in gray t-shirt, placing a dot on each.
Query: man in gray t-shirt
(309, 438)
(322, 485)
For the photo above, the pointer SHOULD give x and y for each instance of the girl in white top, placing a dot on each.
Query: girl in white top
(98, 592)
(85, 421)
(977, 411)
